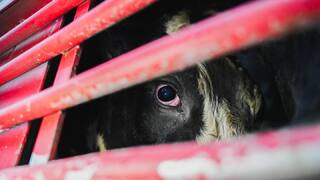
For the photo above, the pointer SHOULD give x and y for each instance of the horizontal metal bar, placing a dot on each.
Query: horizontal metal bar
(34, 23)
(35, 38)
(99, 18)
(287, 154)
(47, 140)
(235, 29)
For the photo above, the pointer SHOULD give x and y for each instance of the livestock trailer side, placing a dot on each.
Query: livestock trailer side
(39, 53)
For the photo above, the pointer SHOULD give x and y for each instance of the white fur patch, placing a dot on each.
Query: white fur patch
(219, 122)
(217, 116)
(101, 143)
(177, 22)
(252, 100)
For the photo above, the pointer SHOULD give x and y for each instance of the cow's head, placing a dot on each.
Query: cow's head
(211, 101)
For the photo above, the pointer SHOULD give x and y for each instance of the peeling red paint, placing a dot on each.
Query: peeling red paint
(49, 132)
(177, 51)
(34, 23)
(286, 154)
(71, 35)
(12, 140)
(296, 155)
(18, 11)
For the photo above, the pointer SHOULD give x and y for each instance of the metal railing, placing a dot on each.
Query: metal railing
(231, 30)
(282, 154)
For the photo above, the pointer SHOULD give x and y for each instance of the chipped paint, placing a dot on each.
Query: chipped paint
(62, 41)
(284, 163)
(68, 100)
(196, 166)
(97, 89)
(19, 149)
(177, 50)
(39, 176)
(85, 173)
(35, 22)
(37, 159)
(3, 177)
(294, 156)
(79, 96)
(28, 106)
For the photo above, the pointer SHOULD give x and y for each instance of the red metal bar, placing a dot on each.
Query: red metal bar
(101, 17)
(288, 154)
(49, 132)
(34, 23)
(36, 38)
(25, 85)
(18, 12)
(235, 29)
(12, 141)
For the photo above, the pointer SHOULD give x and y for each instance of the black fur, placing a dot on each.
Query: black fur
(294, 64)
(285, 70)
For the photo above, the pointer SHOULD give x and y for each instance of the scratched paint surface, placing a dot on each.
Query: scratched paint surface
(30, 42)
(102, 16)
(212, 37)
(12, 140)
(284, 154)
(18, 12)
(49, 132)
(34, 23)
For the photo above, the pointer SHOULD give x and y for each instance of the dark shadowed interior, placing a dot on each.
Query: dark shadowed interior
(269, 86)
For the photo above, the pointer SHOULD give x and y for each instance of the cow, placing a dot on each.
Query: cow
(258, 88)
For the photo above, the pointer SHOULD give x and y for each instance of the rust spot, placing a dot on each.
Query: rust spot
(37, 61)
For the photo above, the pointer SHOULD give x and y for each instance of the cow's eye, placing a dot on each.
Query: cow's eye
(167, 95)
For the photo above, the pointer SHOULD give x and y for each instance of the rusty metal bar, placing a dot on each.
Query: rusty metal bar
(34, 23)
(287, 154)
(231, 30)
(99, 18)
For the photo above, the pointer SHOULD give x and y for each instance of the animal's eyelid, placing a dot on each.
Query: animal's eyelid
(174, 102)
(170, 83)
